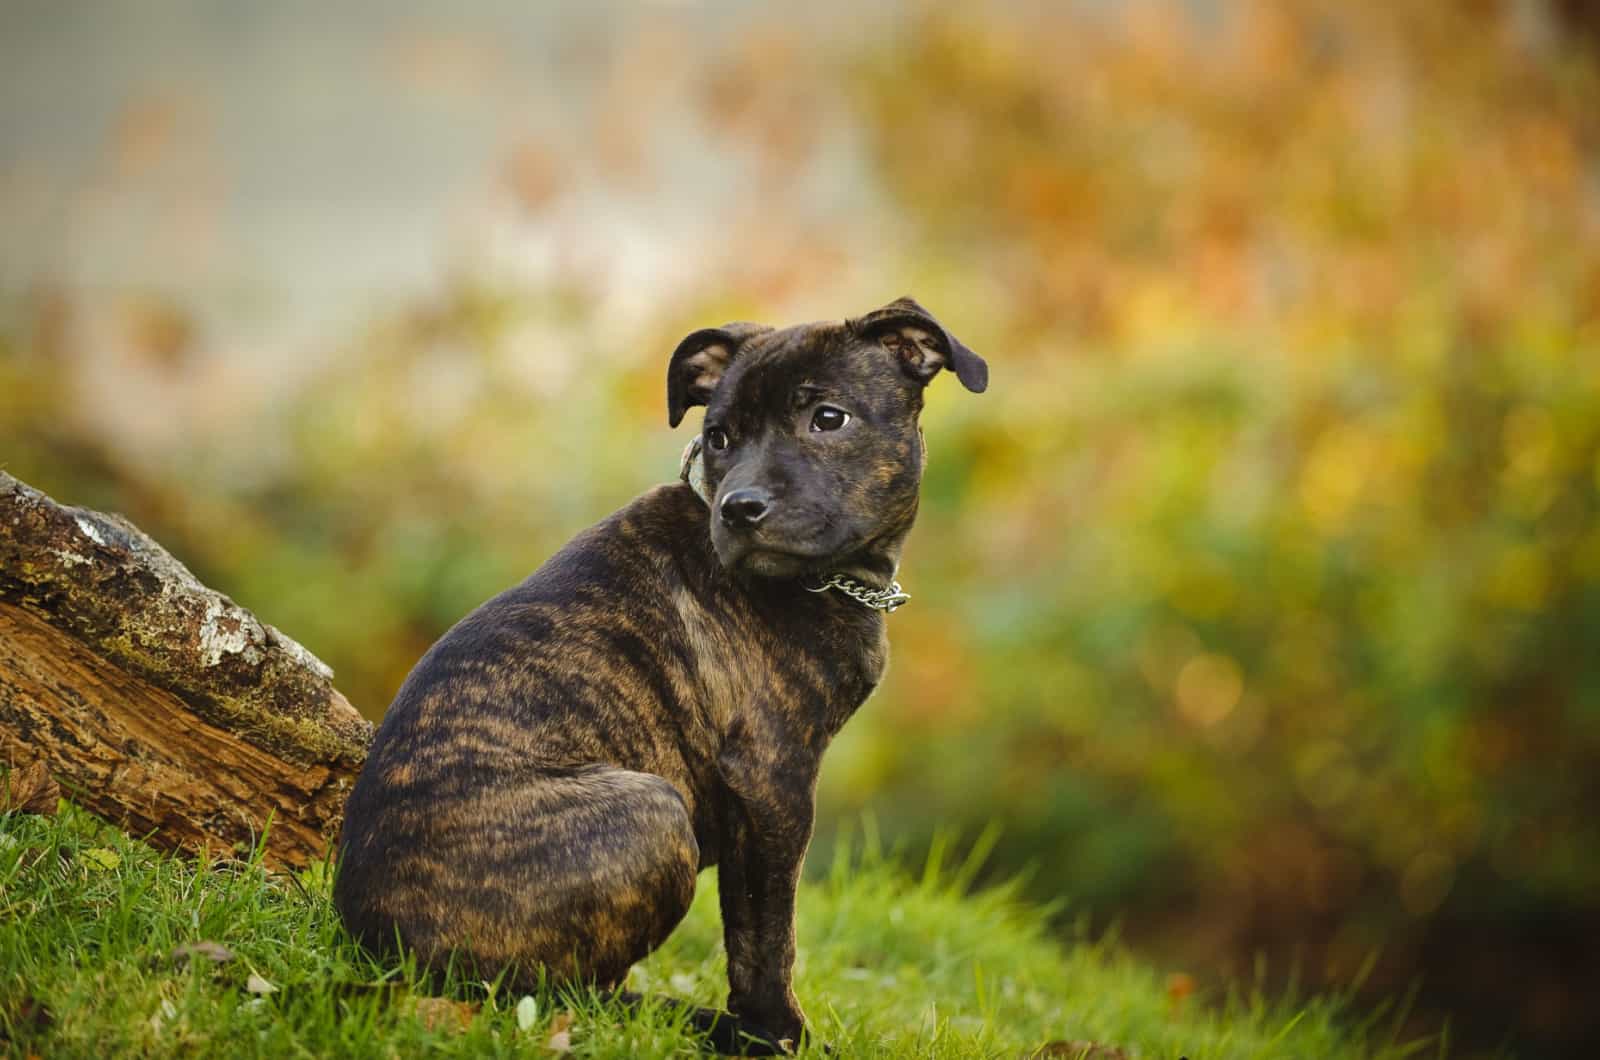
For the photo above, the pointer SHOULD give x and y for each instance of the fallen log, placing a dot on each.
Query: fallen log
(159, 703)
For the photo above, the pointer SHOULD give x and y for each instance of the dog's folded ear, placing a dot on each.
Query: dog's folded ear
(698, 363)
(922, 344)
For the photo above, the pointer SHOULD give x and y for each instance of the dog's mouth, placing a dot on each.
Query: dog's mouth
(770, 563)
(764, 557)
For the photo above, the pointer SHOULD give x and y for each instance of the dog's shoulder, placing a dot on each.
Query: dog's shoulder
(629, 551)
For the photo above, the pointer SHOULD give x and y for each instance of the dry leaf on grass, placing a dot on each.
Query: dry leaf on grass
(30, 789)
(215, 952)
(165, 1012)
(443, 1013)
(560, 1040)
(255, 984)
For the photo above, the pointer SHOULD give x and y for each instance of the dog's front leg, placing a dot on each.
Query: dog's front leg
(767, 825)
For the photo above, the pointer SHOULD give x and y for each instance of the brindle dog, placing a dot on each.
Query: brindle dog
(656, 698)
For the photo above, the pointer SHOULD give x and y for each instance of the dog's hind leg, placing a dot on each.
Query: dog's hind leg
(566, 875)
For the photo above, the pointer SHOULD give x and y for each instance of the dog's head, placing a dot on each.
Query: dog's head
(811, 445)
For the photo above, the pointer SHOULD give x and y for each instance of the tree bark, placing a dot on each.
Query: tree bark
(157, 702)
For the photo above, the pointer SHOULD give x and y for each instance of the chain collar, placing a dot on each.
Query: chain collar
(692, 471)
(885, 600)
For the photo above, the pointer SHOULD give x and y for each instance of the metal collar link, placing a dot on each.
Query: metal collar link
(885, 600)
(692, 471)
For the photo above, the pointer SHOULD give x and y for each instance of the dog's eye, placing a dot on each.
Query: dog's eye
(716, 438)
(828, 418)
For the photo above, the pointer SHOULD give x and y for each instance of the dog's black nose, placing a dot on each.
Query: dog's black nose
(744, 508)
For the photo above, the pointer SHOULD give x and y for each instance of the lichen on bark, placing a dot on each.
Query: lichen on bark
(139, 632)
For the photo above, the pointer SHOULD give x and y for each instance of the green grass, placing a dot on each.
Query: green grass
(891, 964)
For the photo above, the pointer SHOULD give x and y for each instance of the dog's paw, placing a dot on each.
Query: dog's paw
(733, 1035)
(757, 1042)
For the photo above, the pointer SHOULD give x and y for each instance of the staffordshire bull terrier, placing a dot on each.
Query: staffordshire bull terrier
(656, 698)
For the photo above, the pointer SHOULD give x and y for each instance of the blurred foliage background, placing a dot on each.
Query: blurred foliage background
(1258, 601)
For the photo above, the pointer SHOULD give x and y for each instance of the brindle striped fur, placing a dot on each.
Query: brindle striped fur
(656, 698)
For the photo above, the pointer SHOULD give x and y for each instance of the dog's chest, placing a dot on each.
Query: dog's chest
(818, 676)
(724, 668)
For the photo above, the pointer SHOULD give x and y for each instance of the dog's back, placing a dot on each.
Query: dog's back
(502, 758)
